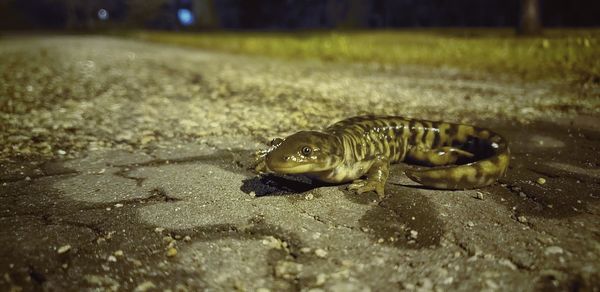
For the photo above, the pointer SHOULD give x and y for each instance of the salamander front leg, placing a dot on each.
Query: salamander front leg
(376, 178)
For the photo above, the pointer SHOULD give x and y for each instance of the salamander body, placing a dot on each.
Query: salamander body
(361, 149)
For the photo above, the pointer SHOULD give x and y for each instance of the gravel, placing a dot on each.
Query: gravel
(64, 95)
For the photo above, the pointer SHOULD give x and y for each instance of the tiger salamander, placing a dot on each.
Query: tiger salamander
(361, 149)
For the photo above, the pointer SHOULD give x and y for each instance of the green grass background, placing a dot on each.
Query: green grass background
(573, 55)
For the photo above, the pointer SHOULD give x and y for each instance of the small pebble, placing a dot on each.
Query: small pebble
(508, 263)
(309, 197)
(305, 250)
(409, 286)
(187, 238)
(272, 242)
(118, 205)
(321, 278)
(479, 196)
(64, 249)
(61, 152)
(426, 284)
(168, 239)
(523, 258)
(541, 180)
(159, 229)
(145, 287)
(553, 250)
(470, 224)
(118, 253)
(112, 258)
(287, 270)
(320, 253)
(414, 234)
(171, 252)
(147, 139)
(491, 284)
(522, 219)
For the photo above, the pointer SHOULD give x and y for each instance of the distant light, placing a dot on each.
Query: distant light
(186, 17)
(103, 14)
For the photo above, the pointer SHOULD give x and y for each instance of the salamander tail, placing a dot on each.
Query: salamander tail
(476, 174)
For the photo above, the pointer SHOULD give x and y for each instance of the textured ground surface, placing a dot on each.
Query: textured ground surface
(124, 166)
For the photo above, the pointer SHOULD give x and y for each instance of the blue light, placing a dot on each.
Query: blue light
(103, 14)
(186, 17)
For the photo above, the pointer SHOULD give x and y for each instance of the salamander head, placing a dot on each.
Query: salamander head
(305, 152)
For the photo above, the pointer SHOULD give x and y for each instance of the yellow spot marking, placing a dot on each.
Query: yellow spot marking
(430, 136)
(488, 166)
(484, 134)
(468, 171)
(464, 132)
(435, 174)
(420, 131)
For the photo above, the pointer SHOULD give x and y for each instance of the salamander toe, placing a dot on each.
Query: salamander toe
(363, 186)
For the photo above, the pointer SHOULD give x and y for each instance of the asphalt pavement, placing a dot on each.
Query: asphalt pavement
(126, 165)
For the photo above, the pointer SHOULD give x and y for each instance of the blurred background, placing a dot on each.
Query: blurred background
(527, 39)
(293, 14)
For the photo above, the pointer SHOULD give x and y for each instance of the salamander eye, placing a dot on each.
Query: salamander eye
(306, 150)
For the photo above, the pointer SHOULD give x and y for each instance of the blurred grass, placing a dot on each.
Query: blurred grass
(572, 54)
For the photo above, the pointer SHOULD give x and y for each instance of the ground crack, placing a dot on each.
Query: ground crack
(159, 195)
(315, 217)
(124, 173)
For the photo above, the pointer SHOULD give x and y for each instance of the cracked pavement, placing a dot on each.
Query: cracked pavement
(125, 166)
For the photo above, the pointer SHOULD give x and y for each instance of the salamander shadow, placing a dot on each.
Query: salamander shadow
(416, 187)
(404, 218)
(275, 185)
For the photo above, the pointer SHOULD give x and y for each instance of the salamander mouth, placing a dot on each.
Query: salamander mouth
(294, 169)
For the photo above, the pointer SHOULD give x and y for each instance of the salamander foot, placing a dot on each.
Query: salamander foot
(363, 186)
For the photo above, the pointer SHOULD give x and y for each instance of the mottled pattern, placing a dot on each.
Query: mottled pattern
(461, 156)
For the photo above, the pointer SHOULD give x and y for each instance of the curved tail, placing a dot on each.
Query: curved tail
(492, 154)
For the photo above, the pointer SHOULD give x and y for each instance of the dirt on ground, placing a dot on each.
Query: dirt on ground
(126, 165)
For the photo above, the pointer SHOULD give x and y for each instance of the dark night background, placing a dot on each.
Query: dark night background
(290, 14)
